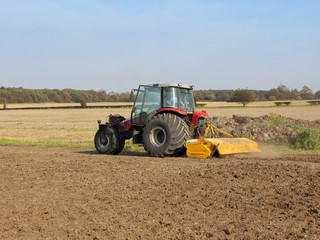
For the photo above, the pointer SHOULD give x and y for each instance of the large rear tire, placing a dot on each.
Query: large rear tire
(107, 141)
(165, 135)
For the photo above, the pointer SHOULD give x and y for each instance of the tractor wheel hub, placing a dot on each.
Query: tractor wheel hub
(158, 136)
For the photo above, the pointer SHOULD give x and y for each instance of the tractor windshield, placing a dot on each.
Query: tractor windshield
(178, 98)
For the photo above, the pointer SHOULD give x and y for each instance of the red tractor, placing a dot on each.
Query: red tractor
(162, 119)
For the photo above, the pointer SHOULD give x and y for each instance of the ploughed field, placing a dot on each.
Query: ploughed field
(75, 193)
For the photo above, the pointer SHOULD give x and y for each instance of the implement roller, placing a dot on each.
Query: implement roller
(204, 147)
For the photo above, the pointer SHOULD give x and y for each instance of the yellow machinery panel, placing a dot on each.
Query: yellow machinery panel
(204, 147)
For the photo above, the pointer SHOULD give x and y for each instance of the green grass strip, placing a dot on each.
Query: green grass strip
(6, 141)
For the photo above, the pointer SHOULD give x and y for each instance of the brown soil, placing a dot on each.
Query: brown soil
(70, 193)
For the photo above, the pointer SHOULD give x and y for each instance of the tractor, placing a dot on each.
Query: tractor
(163, 118)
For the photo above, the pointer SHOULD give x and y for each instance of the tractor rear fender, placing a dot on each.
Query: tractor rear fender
(197, 115)
(177, 111)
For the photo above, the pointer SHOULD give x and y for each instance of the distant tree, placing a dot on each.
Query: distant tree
(272, 98)
(261, 95)
(306, 93)
(124, 97)
(295, 94)
(243, 96)
(208, 95)
(224, 95)
(83, 103)
(317, 95)
(274, 94)
(53, 96)
(279, 93)
(114, 96)
(76, 95)
(284, 91)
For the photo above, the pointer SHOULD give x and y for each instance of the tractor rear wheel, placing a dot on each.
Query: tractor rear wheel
(165, 135)
(107, 141)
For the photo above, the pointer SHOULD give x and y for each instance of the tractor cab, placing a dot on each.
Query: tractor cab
(155, 98)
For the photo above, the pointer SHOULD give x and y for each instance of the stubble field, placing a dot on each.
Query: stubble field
(77, 126)
(75, 193)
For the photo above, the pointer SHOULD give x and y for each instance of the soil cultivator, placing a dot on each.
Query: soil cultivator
(204, 147)
(164, 120)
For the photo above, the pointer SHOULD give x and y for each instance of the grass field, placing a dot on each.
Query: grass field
(53, 127)
(78, 126)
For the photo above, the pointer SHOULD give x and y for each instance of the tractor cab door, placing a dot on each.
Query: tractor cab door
(148, 101)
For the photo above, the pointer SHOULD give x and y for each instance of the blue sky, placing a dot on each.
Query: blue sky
(117, 45)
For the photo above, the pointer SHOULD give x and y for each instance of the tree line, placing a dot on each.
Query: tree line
(280, 93)
(21, 95)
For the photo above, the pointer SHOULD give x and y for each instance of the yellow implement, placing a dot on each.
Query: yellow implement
(204, 147)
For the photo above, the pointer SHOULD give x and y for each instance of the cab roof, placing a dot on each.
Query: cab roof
(178, 85)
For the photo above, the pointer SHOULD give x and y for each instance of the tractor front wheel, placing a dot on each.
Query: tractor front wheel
(107, 141)
(165, 135)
